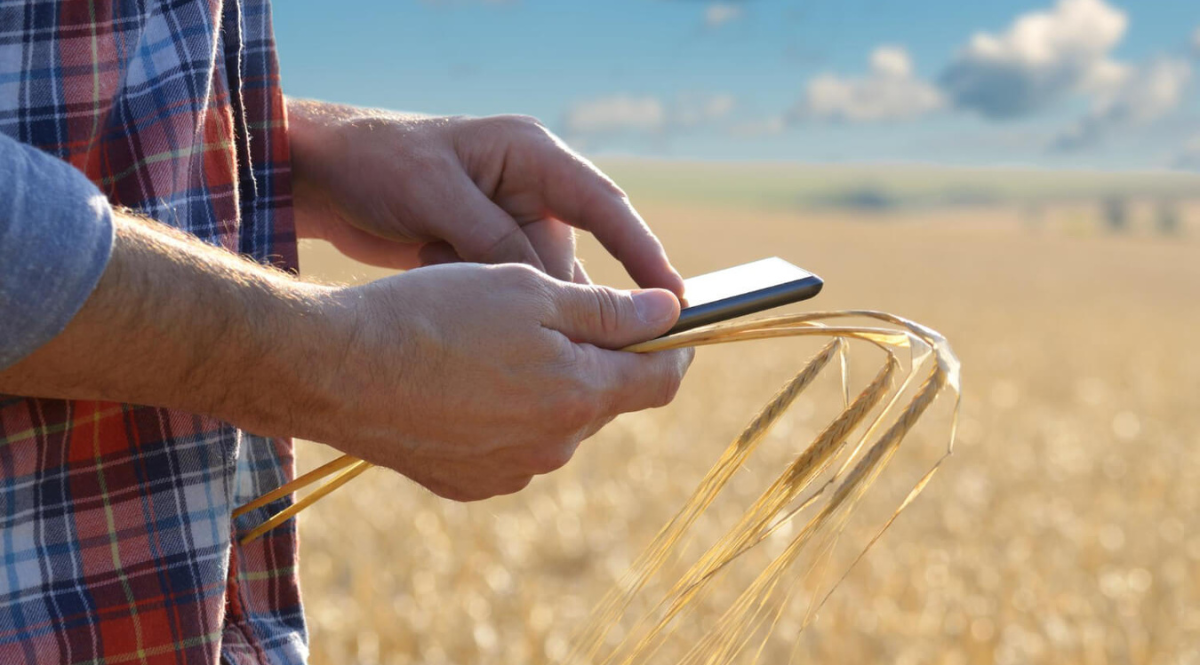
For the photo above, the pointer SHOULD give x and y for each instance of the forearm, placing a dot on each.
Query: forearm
(176, 323)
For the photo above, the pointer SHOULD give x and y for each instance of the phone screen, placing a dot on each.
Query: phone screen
(745, 289)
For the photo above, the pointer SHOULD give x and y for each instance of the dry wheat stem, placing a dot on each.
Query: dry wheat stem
(303, 481)
(654, 556)
(745, 617)
(353, 471)
(758, 608)
(755, 523)
(787, 487)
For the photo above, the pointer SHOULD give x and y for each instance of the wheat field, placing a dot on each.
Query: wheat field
(1063, 530)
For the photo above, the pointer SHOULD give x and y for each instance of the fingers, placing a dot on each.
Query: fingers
(610, 318)
(475, 486)
(621, 382)
(438, 253)
(637, 381)
(376, 251)
(579, 194)
(579, 275)
(554, 243)
(490, 234)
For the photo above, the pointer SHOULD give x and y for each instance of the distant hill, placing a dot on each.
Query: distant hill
(886, 186)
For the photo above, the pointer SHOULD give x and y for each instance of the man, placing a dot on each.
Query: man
(115, 530)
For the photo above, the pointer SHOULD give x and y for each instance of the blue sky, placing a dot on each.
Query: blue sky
(1066, 83)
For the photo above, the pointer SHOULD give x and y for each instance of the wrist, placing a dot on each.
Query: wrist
(282, 365)
(315, 139)
(335, 148)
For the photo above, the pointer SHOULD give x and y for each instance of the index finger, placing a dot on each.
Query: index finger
(635, 381)
(579, 194)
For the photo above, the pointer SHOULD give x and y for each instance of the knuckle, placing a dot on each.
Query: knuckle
(459, 494)
(516, 485)
(551, 458)
(504, 247)
(589, 395)
(607, 310)
(525, 120)
(519, 276)
(607, 187)
(669, 388)
(515, 122)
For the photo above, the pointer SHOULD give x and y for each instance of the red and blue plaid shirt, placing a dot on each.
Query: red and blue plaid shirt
(115, 533)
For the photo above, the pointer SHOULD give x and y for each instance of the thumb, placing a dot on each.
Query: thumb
(610, 318)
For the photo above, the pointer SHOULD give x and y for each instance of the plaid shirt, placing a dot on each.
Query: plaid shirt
(115, 533)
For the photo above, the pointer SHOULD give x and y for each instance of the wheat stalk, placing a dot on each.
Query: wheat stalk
(758, 607)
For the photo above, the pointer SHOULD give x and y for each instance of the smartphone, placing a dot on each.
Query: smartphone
(745, 289)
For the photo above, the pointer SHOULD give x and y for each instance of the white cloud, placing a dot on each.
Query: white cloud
(646, 115)
(891, 61)
(769, 126)
(1142, 97)
(1196, 42)
(719, 13)
(1105, 79)
(1042, 57)
(718, 106)
(889, 91)
(692, 110)
(616, 114)
(1046, 56)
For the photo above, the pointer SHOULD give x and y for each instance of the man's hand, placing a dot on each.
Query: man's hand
(469, 379)
(473, 379)
(402, 191)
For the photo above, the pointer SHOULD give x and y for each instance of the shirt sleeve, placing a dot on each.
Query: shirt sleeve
(56, 235)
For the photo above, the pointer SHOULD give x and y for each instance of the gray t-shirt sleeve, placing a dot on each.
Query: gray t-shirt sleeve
(56, 235)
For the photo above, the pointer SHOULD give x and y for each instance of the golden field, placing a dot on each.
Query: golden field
(1063, 530)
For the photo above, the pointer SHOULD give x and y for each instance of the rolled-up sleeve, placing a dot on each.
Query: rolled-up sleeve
(56, 235)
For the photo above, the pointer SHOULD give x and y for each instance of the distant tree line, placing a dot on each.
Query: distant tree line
(1116, 215)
